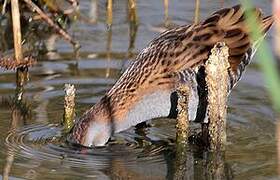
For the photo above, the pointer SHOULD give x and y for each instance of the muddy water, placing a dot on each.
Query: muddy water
(30, 141)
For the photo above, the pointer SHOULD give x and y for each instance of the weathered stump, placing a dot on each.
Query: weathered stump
(217, 83)
(182, 132)
(69, 107)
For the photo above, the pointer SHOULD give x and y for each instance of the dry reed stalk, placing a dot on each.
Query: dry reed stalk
(217, 82)
(16, 31)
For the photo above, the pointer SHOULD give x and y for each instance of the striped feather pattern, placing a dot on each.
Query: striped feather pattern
(158, 66)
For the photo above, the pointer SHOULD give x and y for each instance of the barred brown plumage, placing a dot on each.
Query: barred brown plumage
(144, 90)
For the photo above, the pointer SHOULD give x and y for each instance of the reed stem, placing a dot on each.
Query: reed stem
(16, 30)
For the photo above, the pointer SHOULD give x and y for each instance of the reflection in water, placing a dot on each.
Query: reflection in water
(51, 49)
(93, 12)
(139, 159)
(222, 3)
(133, 27)
(108, 51)
(183, 166)
(215, 166)
(20, 112)
(166, 16)
(109, 20)
(132, 11)
(197, 11)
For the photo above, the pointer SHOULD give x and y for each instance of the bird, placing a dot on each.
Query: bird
(147, 88)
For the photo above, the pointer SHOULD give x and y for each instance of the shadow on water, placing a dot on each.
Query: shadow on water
(32, 146)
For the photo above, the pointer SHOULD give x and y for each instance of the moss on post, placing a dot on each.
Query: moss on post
(217, 82)
(182, 132)
(182, 125)
(69, 107)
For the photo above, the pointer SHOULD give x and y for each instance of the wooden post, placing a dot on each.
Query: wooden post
(217, 82)
(182, 125)
(69, 107)
(182, 133)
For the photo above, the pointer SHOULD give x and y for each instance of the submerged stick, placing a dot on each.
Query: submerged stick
(217, 82)
(69, 107)
(16, 31)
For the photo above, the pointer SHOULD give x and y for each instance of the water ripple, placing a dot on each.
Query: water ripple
(45, 142)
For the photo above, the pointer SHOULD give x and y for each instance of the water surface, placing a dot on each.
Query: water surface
(30, 144)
